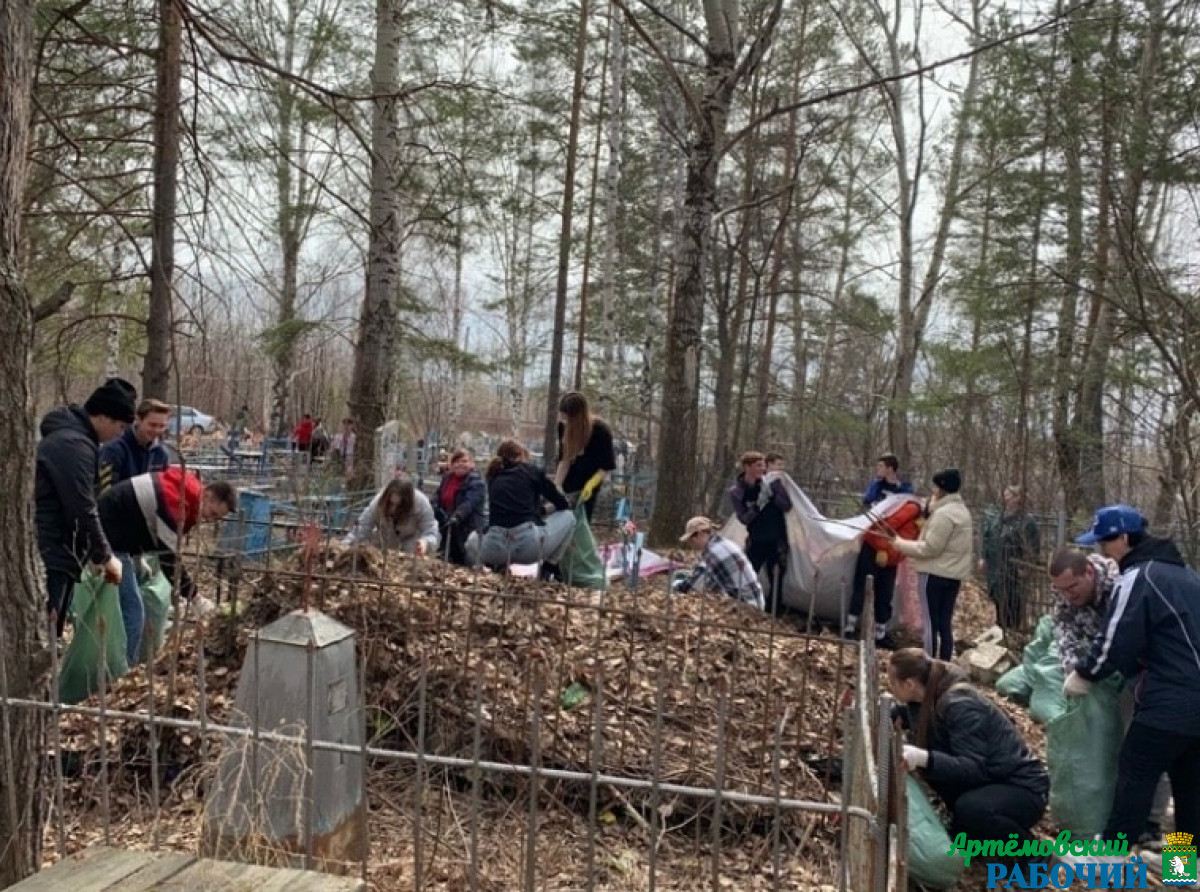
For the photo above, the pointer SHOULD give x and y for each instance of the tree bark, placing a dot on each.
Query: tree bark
(22, 648)
(554, 385)
(612, 206)
(156, 366)
(375, 350)
(709, 114)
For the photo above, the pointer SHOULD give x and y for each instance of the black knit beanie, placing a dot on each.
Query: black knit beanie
(948, 480)
(116, 398)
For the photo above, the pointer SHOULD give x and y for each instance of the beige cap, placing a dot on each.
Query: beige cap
(697, 525)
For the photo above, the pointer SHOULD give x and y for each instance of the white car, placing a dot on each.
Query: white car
(188, 420)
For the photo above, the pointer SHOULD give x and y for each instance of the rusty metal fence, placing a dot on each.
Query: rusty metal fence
(510, 736)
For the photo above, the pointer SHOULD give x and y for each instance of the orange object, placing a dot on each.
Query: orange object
(905, 521)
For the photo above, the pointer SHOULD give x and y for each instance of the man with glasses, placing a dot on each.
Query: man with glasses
(1151, 632)
(1083, 586)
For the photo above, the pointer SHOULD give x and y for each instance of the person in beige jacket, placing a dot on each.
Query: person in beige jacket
(943, 558)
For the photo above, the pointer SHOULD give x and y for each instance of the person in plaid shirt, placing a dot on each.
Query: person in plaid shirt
(723, 566)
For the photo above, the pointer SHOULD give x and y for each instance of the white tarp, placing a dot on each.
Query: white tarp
(821, 552)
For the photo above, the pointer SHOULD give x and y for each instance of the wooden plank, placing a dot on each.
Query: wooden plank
(165, 866)
(219, 876)
(95, 869)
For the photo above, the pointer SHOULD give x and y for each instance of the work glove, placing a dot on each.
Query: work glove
(112, 570)
(915, 757)
(201, 608)
(764, 496)
(1076, 685)
(591, 486)
(420, 549)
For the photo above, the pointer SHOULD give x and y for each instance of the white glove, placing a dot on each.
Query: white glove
(201, 607)
(915, 757)
(764, 495)
(1076, 685)
(143, 569)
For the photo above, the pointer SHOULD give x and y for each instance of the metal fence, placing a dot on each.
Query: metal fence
(512, 736)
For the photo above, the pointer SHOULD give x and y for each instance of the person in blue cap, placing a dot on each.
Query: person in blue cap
(1151, 633)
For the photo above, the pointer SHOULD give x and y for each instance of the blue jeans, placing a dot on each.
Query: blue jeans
(528, 543)
(133, 612)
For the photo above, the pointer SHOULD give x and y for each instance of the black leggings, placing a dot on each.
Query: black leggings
(938, 595)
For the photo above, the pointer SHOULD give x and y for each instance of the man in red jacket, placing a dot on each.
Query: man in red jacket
(148, 514)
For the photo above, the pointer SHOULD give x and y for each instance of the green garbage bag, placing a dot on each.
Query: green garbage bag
(1047, 701)
(1014, 684)
(1081, 753)
(928, 842)
(581, 565)
(98, 643)
(156, 596)
(1022, 682)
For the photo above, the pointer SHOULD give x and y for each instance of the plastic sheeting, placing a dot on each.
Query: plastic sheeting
(822, 553)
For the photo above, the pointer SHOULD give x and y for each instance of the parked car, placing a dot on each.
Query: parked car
(187, 420)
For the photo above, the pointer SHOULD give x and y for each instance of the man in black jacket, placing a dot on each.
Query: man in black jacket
(69, 534)
(1152, 633)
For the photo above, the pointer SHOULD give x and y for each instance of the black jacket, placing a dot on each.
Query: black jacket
(69, 534)
(972, 743)
(515, 495)
(1152, 630)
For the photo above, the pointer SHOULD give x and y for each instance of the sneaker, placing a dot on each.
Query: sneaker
(886, 642)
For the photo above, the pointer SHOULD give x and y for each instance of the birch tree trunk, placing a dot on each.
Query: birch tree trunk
(375, 350)
(22, 648)
(156, 366)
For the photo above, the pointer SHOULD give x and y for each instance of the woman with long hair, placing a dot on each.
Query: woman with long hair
(585, 450)
(460, 505)
(517, 533)
(399, 518)
(969, 751)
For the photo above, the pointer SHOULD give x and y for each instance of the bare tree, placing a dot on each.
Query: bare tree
(378, 327)
(726, 66)
(156, 368)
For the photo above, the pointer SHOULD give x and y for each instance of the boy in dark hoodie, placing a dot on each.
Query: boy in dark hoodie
(69, 534)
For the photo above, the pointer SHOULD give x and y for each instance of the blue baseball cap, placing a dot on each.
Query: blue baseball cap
(1112, 521)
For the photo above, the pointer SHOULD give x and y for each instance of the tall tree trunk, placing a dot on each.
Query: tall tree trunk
(1066, 446)
(709, 116)
(554, 385)
(612, 207)
(730, 311)
(375, 349)
(22, 647)
(456, 319)
(589, 231)
(292, 216)
(156, 367)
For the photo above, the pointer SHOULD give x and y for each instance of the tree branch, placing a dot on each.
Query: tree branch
(671, 70)
(830, 95)
(55, 302)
